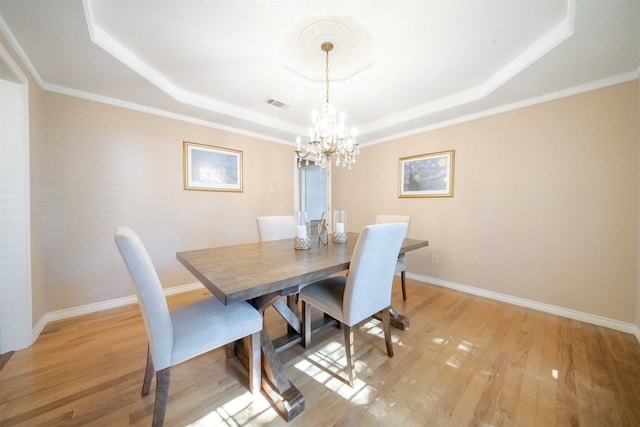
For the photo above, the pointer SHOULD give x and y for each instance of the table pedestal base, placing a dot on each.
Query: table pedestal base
(288, 403)
(398, 320)
(285, 397)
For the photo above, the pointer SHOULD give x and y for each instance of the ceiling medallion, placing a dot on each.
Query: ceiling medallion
(326, 30)
(353, 47)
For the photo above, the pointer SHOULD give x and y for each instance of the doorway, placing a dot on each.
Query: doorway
(15, 249)
(313, 192)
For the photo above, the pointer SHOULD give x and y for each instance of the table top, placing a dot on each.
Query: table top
(246, 271)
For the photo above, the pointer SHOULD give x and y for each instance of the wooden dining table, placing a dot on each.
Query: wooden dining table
(262, 273)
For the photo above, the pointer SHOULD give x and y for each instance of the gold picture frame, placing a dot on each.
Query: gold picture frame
(211, 168)
(427, 175)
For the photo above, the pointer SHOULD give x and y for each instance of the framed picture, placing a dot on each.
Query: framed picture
(211, 168)
(427, 175)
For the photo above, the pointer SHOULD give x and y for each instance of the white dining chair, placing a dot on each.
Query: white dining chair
(276, 227)
(401, 265)
(364, 292)
(178, 335)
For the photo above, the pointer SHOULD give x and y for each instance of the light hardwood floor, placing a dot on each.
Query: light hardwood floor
(466, 360)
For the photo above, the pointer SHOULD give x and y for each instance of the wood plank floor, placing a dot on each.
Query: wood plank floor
(466, 360)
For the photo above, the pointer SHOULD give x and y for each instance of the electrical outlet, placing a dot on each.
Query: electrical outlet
(434, 258)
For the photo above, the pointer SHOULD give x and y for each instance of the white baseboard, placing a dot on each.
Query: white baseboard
(100, 306)
(38, 327)
(546, 308)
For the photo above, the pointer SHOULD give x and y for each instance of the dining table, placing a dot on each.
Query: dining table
(262, 273)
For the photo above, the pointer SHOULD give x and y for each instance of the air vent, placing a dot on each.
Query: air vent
(275, 103)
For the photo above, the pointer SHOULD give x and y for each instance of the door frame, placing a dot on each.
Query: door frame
(296, 189)
(16, 318)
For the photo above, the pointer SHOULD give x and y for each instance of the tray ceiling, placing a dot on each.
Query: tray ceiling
(398, 67)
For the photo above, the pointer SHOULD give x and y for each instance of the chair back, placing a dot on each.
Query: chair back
(276, 227)
(385, 219)
(151, 299)
(368, 286)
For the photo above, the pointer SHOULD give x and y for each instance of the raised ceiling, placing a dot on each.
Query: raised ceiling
(399, 67)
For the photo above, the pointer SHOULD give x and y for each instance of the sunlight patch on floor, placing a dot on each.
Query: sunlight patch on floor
(455, 359)
(325, 363)
(243, 410)
(374, 327)
(453, 362)
(439, 341)
(465, 346)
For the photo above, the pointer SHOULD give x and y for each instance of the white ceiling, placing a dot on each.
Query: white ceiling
(399, 66)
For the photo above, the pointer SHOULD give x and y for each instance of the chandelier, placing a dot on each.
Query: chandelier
(328, 136)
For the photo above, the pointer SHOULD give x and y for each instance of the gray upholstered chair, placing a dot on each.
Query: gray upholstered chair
(276, 227)
(365, 291)
(401, 265)
(178, 335)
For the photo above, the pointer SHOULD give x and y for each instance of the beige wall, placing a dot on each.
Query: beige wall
(545, 206)
(111, 166)
(41, 200)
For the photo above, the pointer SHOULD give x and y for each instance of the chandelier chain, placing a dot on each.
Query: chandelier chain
(326, 75)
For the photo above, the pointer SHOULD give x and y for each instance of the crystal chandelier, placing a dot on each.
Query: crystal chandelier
(328, 136)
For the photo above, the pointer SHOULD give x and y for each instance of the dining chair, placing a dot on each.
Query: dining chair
(177, 335)
(401, 265)
(364, 292)
(276, 227)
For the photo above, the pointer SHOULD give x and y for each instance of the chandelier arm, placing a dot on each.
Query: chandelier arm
(300, 156)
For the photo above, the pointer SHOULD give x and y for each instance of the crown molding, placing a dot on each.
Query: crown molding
(4, 28)
(576, 90)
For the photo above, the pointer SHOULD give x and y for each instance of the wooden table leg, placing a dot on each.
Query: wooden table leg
(398, 320)
(282, 393)
(292, 304)
(286, 398)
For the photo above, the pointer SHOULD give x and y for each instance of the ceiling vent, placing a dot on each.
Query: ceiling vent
(276, 103)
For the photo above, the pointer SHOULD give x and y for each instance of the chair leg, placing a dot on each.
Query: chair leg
(306, 324)
(148, 374)
(162, 396)
(404, 286)
(255, 367)
(386, 327)
(349, 349)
